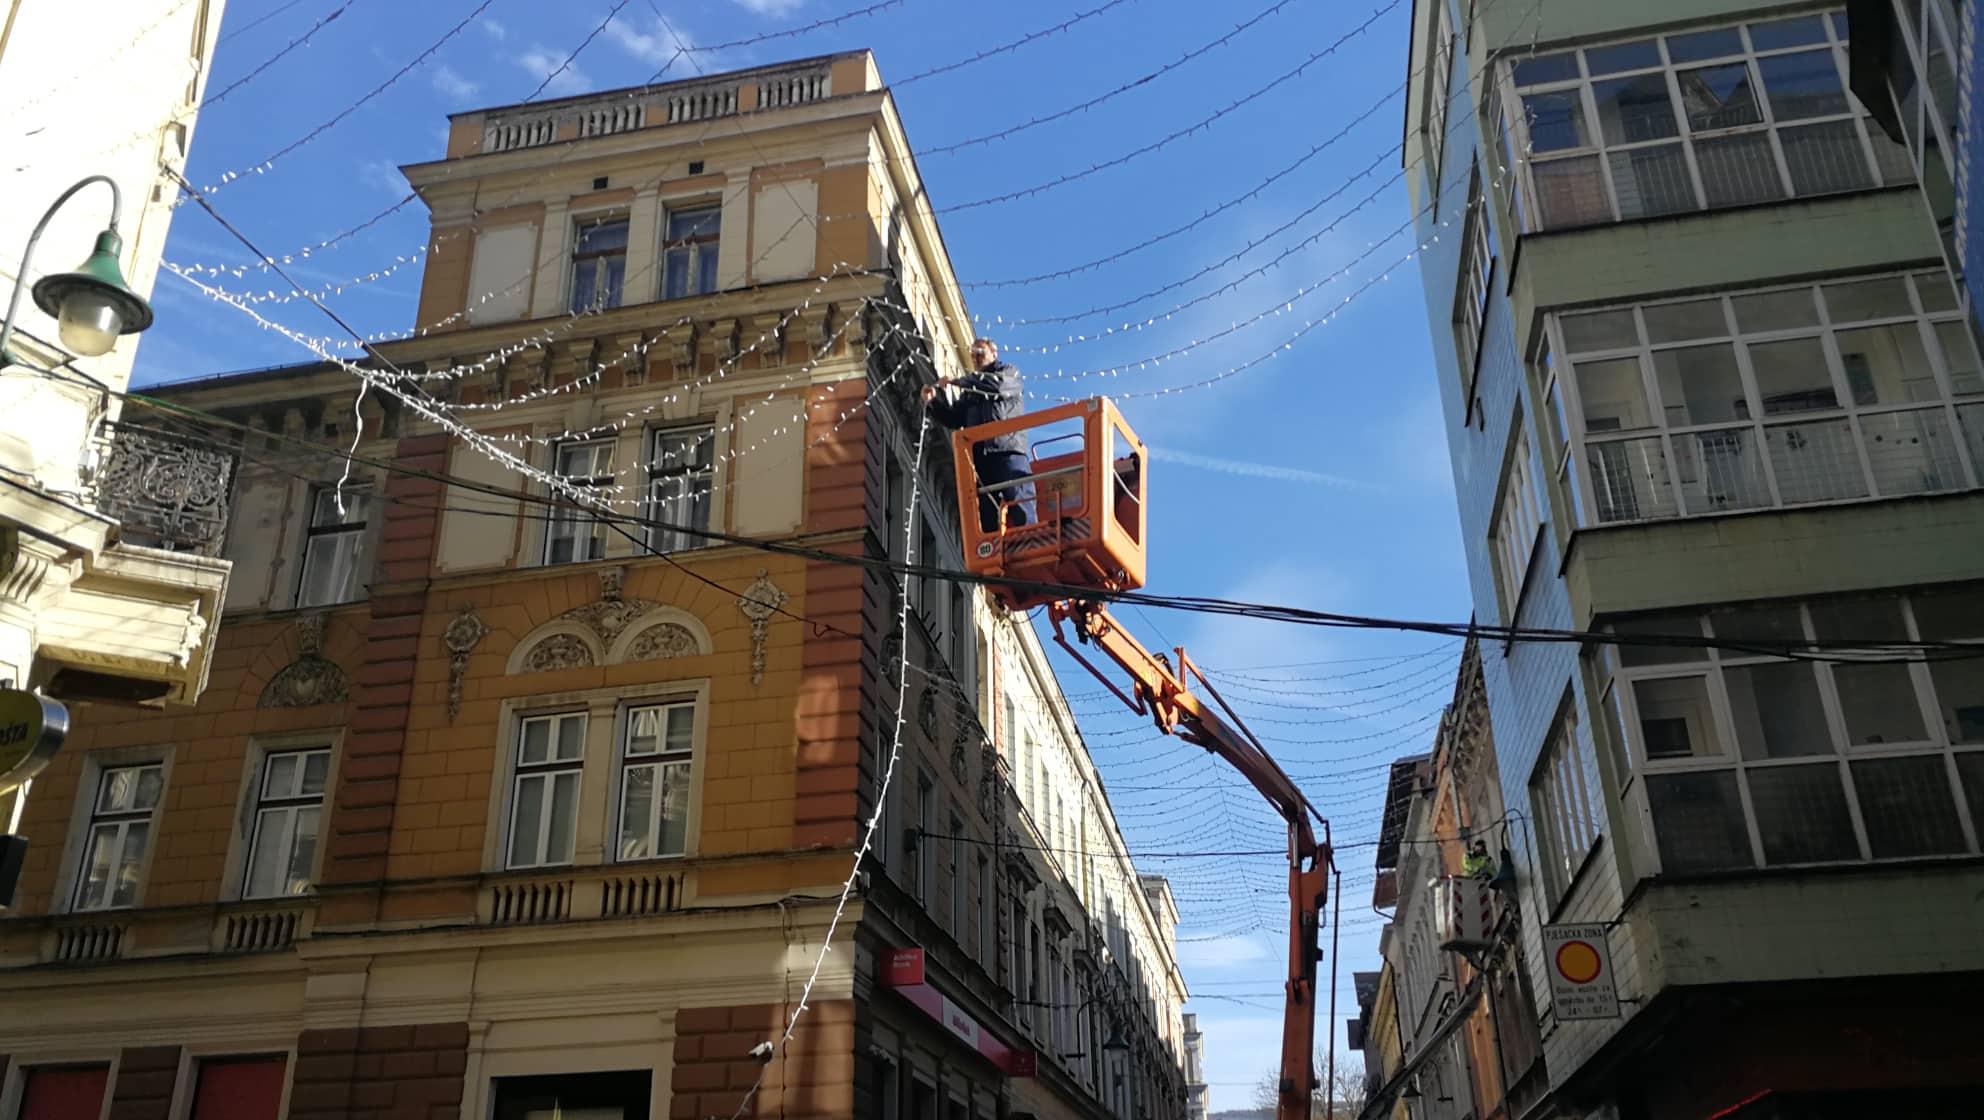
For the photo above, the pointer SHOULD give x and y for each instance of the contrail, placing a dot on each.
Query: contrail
(1260, 470)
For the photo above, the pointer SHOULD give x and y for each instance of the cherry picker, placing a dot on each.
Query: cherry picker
(1089, 473)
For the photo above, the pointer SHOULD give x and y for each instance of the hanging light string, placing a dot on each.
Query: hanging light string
(1169, 138)
(874, 823)
(1108, 95)
(300, 41)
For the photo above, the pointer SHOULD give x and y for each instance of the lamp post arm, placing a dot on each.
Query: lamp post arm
(27, 255)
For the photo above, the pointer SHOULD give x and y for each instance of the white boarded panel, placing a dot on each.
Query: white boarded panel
(501, 270)
(255, 541)
(784, 240)
(766, 484)
(477, 530)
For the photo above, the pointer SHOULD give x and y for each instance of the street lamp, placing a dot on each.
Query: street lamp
(93, 305)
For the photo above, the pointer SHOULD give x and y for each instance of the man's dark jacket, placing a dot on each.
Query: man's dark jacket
(983, 397)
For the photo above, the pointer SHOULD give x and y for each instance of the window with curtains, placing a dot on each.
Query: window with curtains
(1741, 759)
(122, 817)
(544, 798)
(1862, 387)
(289, 807)
(658, 744)
(690, 253)
(574, 535)
(599, 264)
(333, 546)
(1704, 119)
(681, 486)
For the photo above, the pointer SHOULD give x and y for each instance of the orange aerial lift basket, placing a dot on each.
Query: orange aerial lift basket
(1085, 526)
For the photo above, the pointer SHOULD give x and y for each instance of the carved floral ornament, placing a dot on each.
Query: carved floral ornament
(311, 678)
(609, 631)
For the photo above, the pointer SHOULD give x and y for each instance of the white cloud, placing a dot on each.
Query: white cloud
(770, 7)
(450, 83)
(541, 62)
(1259, 470)
(383, 175)
(655, 45)
(495, 30)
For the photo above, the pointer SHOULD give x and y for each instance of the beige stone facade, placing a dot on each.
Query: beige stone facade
(496, 803)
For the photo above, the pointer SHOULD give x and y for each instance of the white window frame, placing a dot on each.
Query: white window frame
(1518, 525)
(670, 764)
(699, 478)
(568, 523)
(1868, 135)
(1569, 803)
(694, 249)
(548, 773)
(281, 809)
(119, 822)
(926, 846)
(1476, 283)
(347, 537)
(1712, 667)
(1439, 76)
(1653, 452)
(575, 263)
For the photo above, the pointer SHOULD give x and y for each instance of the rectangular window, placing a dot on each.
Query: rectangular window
(599, 265)
(544, 800)
(239, 1088)
(1516, 523)
(926, 848)
(573, 535)
(1749, 758)
(689, 257)
(127, 799)
(681, 485)
(656, 747)
(988, 915)
(333, 545)
(288, 814)
(956, 846)
(1566, 803)
(1477, 267)
(1439, 79)
(1722, 117)
(63, 1092)
(1770, 397)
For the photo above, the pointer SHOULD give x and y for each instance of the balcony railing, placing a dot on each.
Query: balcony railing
(683, 103)
(167, 493)
(1889, 453)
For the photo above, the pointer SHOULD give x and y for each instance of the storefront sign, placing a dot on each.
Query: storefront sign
(1581, 985)
(32, 728)
(902, 967)
(904, 971)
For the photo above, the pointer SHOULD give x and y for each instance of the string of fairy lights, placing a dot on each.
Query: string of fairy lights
(1225, 852)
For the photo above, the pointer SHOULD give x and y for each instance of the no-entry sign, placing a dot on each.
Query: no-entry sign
(1580, 967)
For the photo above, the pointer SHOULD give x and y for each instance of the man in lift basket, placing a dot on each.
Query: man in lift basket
(991, 394)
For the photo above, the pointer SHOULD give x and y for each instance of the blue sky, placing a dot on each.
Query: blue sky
(1319, 478)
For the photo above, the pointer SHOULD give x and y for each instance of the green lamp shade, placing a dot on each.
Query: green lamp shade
(93, 305)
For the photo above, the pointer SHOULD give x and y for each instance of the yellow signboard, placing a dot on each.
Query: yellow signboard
(32, 728)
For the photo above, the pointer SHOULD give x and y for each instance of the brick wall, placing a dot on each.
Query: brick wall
(361, 820)
(145, 1077)
(811, 1079)
(379, 1073)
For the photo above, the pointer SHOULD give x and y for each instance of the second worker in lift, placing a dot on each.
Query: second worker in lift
(990, 394)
